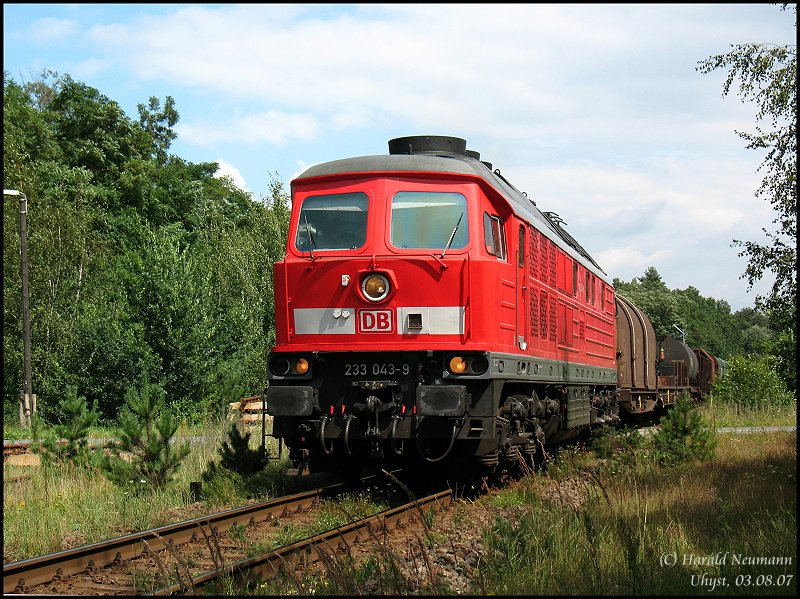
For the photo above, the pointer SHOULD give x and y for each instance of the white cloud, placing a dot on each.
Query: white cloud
(677, 215)
(89, 68)
(50, 30)
(631, 259)
(272, 126)
(519, 71)
(226, 170)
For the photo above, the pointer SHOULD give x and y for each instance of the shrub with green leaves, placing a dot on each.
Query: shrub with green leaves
(752, 382)
(146, 429)
(237, 455)
(683, 435)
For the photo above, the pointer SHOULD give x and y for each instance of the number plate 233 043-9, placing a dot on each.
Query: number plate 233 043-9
(376, 369)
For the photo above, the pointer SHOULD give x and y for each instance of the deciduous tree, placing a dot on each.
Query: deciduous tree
(766, 75)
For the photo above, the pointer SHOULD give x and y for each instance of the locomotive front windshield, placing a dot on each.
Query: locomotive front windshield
(332, 222)
(428, 220)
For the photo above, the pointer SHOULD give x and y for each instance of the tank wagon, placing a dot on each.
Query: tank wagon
(426, 309)
(710, 368)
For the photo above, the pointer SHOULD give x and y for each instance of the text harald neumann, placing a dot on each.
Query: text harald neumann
(736, 559)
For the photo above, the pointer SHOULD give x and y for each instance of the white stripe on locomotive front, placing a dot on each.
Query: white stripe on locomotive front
(436, 320)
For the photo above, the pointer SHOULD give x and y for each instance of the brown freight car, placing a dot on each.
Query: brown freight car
(636, 365)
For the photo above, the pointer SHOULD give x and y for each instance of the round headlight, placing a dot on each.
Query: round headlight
(279, 365)
(479, 365)
(375, 287)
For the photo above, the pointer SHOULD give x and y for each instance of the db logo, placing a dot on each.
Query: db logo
(375, 321)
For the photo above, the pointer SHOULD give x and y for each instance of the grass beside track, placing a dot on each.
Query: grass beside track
(690, 529)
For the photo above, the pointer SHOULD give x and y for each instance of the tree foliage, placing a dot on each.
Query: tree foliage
(236, 454)
(143, 262)
(766, 75)
(158, 123)
(139, 261)
(69, 440)
(683, 435)
(744, 337)
(707, 322)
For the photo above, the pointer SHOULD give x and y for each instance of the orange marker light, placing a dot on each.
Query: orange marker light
(302, 366)
(458, 365)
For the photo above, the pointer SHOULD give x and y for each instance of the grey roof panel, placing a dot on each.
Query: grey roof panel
(464, 165)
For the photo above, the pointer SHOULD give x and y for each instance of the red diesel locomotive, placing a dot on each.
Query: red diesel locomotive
(426, 309)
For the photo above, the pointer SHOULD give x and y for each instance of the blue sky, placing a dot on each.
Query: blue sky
(596, 111)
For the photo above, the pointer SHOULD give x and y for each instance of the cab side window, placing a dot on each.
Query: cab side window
(494, 236)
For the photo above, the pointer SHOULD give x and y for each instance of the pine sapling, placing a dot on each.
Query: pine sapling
(69, 440)
(146, 430)
(684, 435)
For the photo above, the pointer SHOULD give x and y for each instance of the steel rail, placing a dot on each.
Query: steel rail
(18, 478)
(15, 448)
(21, 575)
(306, 551)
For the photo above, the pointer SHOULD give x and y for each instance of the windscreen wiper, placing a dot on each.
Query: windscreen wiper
(452, 235)
(311, 243)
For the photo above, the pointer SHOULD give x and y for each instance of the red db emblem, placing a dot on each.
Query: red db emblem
(375, 321)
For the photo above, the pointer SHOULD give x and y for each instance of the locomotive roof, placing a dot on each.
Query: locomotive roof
(548, 223)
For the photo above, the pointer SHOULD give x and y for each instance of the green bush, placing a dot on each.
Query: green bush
(752, 382)
(236, 454)
(683, 435)
(626, 447)
(236, 470)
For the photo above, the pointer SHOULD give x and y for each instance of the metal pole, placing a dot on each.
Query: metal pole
(28, 400)
(26, 317)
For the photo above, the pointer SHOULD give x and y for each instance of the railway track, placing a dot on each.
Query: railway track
(15, 448)
(101, 566)
(192, 553)
(321, 547)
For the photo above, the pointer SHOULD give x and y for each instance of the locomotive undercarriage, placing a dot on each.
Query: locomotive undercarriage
(420, 414)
